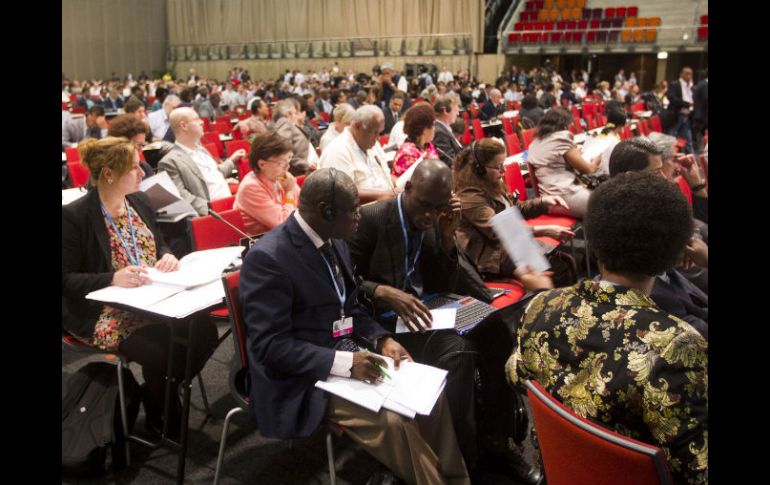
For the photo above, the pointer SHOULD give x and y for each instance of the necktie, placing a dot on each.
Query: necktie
(331, 258)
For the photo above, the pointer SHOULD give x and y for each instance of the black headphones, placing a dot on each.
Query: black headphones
(330, 211)
(478, 167)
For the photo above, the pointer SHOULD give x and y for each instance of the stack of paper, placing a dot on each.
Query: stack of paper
(165, 199)
(411, 390)
(193, 287)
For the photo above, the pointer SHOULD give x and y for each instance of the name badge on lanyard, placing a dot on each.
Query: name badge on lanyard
(343, 326)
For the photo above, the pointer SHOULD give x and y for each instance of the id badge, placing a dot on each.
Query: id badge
(342, 327)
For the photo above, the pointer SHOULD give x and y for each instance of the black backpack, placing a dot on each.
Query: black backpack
(91, 422)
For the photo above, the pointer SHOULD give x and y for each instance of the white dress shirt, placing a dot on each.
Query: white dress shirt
(369, 170)
(215, 181)
(686, 95)
(343, 361)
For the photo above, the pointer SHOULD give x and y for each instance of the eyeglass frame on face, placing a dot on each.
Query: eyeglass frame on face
(281, 163)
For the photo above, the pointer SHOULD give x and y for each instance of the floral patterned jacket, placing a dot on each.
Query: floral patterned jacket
(612, 356)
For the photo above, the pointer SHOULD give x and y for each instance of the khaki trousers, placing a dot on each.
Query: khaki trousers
(421, 451)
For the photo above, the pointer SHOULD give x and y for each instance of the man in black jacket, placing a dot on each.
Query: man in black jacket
(700, 114)
(446, 108)
(680, 102)
(393, 111)
(405, 249)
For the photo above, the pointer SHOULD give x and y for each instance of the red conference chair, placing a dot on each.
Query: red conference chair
(645, 124)
(527, 136)
(632, 11)
(301, 180)
(478, 131)
(467, 136)
(512, 144)
(474, 109)
(507, 126)
(78, 173)
(590, 123)
(235, 145)
(609, 13)
(577, 451)
(223, 204)
(637, 107)
(214, 151)
(211, 233)
(704, 19)
(72, 154)
(222, 127)
(206, 123)
(626, 134)
(655, 123)
(620, 12)
(514, 180)
(223, 118)
(213, 138)
(514, 292)
(239, 379)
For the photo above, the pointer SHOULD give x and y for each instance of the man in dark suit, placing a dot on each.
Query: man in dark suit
(700, 114)
(680, 99)
(405, 249)
(492, 107)
(446, 108)
(299, 298)
(393, 111)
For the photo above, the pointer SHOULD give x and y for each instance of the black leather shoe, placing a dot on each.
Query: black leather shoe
(512, 465)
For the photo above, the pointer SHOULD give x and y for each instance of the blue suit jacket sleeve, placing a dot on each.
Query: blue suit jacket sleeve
(266, 294)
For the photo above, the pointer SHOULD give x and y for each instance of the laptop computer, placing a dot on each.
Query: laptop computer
(470, 312)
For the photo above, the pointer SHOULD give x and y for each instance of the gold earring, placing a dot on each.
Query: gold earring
(109, 181)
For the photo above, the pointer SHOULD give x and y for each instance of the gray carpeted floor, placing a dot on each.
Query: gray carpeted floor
(249, 458)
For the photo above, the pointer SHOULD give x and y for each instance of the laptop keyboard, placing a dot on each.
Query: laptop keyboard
(468, 314)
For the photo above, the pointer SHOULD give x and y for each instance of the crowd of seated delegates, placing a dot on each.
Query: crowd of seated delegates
(342, 116)
(268, 195)
(623, 376)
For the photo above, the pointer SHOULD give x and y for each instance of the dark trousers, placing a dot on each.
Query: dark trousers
(447, 350)
(148, 346)
(682, 129)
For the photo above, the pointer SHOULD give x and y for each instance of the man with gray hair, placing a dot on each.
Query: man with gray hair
(287, 119)
(357, 152)
(492, 106)
(158, 119)
(446, 107)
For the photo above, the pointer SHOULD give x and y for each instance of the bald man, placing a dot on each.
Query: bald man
(404, 250)
(357, 153)
(191, 167)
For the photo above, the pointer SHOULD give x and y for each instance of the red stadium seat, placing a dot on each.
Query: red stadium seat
(632, 11)
(656, 125)
(223, 204)
(512, 144)
(478, 131)
(78, 174)
(527, 136)
(235, 145)
(210, 233)
(507, 126)
(213, 138)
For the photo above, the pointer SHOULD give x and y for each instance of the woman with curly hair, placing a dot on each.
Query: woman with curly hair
(605, 349)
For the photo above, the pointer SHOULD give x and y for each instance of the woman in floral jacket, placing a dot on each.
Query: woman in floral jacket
(605, 350)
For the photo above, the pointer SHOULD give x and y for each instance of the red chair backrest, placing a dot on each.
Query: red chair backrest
(235, 145)
(210, 233)
(213, 138)
(301, 180)
(578, 452)
(213, 149)
(589, 109)
(206, 123)
(507, 126)
(223, 204)
(626, 133)
(325, 116)
(78, 174)
(655, 122)
(645, 127)
(533, 179)
(223, 118)
(527, 136)
(474, 110)
(72, 154)
(478, 131)
(637, 107)
(578, 125)
(467, 137)
(513, 145)
(384, 139)
(685, 188)
(223, 127)
(515, 181)
(590, 122)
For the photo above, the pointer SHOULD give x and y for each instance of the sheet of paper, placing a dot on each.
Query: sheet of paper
(391, 405)
(198, 268)
(188, 302)
(593, 147)
(140, 297)
(71, 195)
(443, 318)
(417, 386)
(369, 396)
(517, 239)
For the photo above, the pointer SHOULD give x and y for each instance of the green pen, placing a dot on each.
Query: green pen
(382, 369)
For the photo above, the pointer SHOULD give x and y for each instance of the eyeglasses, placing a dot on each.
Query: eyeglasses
(499, 168)
(281, 162)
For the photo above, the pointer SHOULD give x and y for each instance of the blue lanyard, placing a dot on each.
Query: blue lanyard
(407, 271)
(133, 259)
(340, 294)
